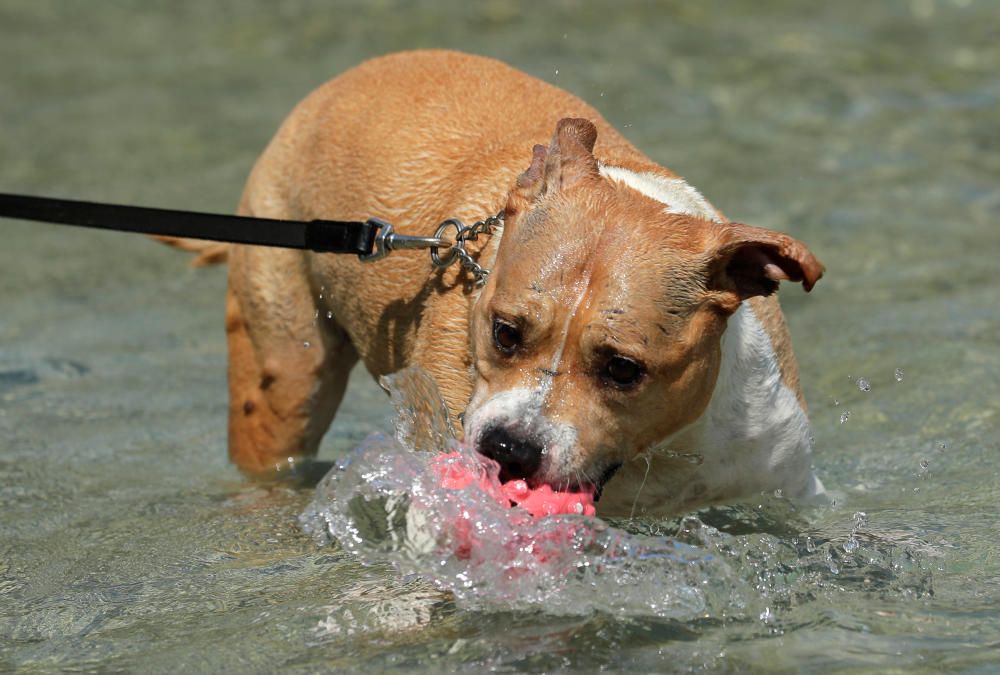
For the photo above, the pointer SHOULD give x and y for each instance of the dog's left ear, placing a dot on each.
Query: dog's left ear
(568, 159)
(751, 261)
(571, 154)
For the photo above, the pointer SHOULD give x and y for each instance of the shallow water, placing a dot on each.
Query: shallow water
(869, 130)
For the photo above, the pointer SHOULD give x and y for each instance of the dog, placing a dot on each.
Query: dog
(628, 339)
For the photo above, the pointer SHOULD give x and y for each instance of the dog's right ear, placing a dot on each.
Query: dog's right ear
(751, 261)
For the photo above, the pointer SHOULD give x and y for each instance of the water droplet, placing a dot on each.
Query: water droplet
(557, 71)
(766, 616)
(899, 374)
(602, 94)
(778, 493)
(941, 447)
(316, 314)
(851, 545)
(836, 401)
(329, 314)
(810, 545)
(306, 344)
(860, 520)
(863, 384)
(844, 416)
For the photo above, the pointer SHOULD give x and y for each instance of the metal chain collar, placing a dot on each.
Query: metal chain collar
(464, 233)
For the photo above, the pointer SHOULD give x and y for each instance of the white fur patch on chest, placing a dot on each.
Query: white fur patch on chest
(754, 435)
(675, 193)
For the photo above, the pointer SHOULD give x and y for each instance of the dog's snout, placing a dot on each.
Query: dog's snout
(517, 456)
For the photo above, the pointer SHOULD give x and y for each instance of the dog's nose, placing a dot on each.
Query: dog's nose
(518, 457)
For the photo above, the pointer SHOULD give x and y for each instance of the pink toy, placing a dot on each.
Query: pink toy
(454, 473)
(540, 501)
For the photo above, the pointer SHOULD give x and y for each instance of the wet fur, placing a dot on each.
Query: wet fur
(600, 246)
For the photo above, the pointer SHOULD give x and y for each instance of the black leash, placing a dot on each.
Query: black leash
(370, 239)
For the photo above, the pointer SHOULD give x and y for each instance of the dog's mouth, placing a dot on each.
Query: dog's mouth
(604, 478)
(532, 451)
(595, 488)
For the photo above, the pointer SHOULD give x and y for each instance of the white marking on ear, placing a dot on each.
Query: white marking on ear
(676, 193)
(775, 273)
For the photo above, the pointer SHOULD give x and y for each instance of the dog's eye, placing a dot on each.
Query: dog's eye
(622, 371)
(506, 337)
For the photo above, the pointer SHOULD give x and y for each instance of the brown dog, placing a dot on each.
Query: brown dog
(627, 326)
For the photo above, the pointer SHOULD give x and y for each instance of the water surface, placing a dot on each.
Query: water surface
(870, 131)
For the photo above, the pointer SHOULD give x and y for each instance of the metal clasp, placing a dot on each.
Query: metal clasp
(388, 240)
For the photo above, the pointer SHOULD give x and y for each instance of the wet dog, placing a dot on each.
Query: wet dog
(628, 338)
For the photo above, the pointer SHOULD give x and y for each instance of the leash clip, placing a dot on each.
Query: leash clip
(388, 240)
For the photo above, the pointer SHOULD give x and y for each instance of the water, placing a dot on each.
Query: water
(868, 130)
(384, 502)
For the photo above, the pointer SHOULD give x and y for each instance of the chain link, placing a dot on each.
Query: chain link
(464, 233)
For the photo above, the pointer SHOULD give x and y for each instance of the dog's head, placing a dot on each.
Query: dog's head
(598, 333)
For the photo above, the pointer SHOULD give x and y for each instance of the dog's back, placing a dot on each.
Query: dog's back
(419, 137)
(412, 138)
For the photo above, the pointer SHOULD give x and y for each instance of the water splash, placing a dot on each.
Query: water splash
(383, 504)
(860, 519)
